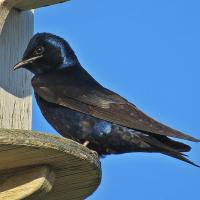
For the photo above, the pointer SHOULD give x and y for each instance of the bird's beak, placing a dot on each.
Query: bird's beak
(25, 62)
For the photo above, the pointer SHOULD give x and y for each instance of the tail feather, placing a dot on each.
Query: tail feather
(180, 157)
(168, 147)
(158, 145)
(181, 147)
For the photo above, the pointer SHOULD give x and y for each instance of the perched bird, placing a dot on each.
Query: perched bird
(81, 109)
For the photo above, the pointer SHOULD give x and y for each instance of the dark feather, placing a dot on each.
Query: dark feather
(74, 88)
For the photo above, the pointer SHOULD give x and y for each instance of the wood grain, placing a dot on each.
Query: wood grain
(15, 87)
(77, 169)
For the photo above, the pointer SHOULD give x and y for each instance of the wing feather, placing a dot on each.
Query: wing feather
(91, 98)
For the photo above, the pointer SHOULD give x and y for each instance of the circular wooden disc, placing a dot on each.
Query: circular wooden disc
(77, 169)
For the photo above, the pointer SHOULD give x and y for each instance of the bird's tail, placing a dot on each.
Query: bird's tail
(168, 147)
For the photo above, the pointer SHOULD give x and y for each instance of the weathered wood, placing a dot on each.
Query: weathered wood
(15, 88)
(27, 184)
(77, 169)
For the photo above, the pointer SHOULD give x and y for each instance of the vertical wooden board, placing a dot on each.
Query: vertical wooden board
(15, 86)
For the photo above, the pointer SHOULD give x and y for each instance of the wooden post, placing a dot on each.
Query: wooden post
(34, 165)
(15, 88)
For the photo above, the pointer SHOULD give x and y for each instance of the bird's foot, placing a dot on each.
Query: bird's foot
(92, 151)
(86, 143)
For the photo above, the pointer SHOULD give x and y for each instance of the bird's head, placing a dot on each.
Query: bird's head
(47, 52)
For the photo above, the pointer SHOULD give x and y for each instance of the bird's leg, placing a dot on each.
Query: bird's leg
(86, 143)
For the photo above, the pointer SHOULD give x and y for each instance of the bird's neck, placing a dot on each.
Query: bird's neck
(77, 72)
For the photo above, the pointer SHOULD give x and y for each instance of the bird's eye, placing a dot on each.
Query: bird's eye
(39, 50)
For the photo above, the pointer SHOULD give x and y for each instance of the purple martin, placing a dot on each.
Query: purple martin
(81, 109)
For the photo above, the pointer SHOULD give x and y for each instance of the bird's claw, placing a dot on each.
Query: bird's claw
(86, 143)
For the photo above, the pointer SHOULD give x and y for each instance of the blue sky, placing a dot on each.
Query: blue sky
(149, 52)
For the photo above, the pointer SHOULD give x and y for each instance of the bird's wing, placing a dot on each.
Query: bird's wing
(94, 100)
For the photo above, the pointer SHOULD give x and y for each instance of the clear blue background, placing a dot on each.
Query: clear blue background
(149, 52)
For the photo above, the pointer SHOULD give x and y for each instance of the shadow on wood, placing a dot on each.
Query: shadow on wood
(41, 166)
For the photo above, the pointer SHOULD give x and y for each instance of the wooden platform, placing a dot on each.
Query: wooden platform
(41, 166)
